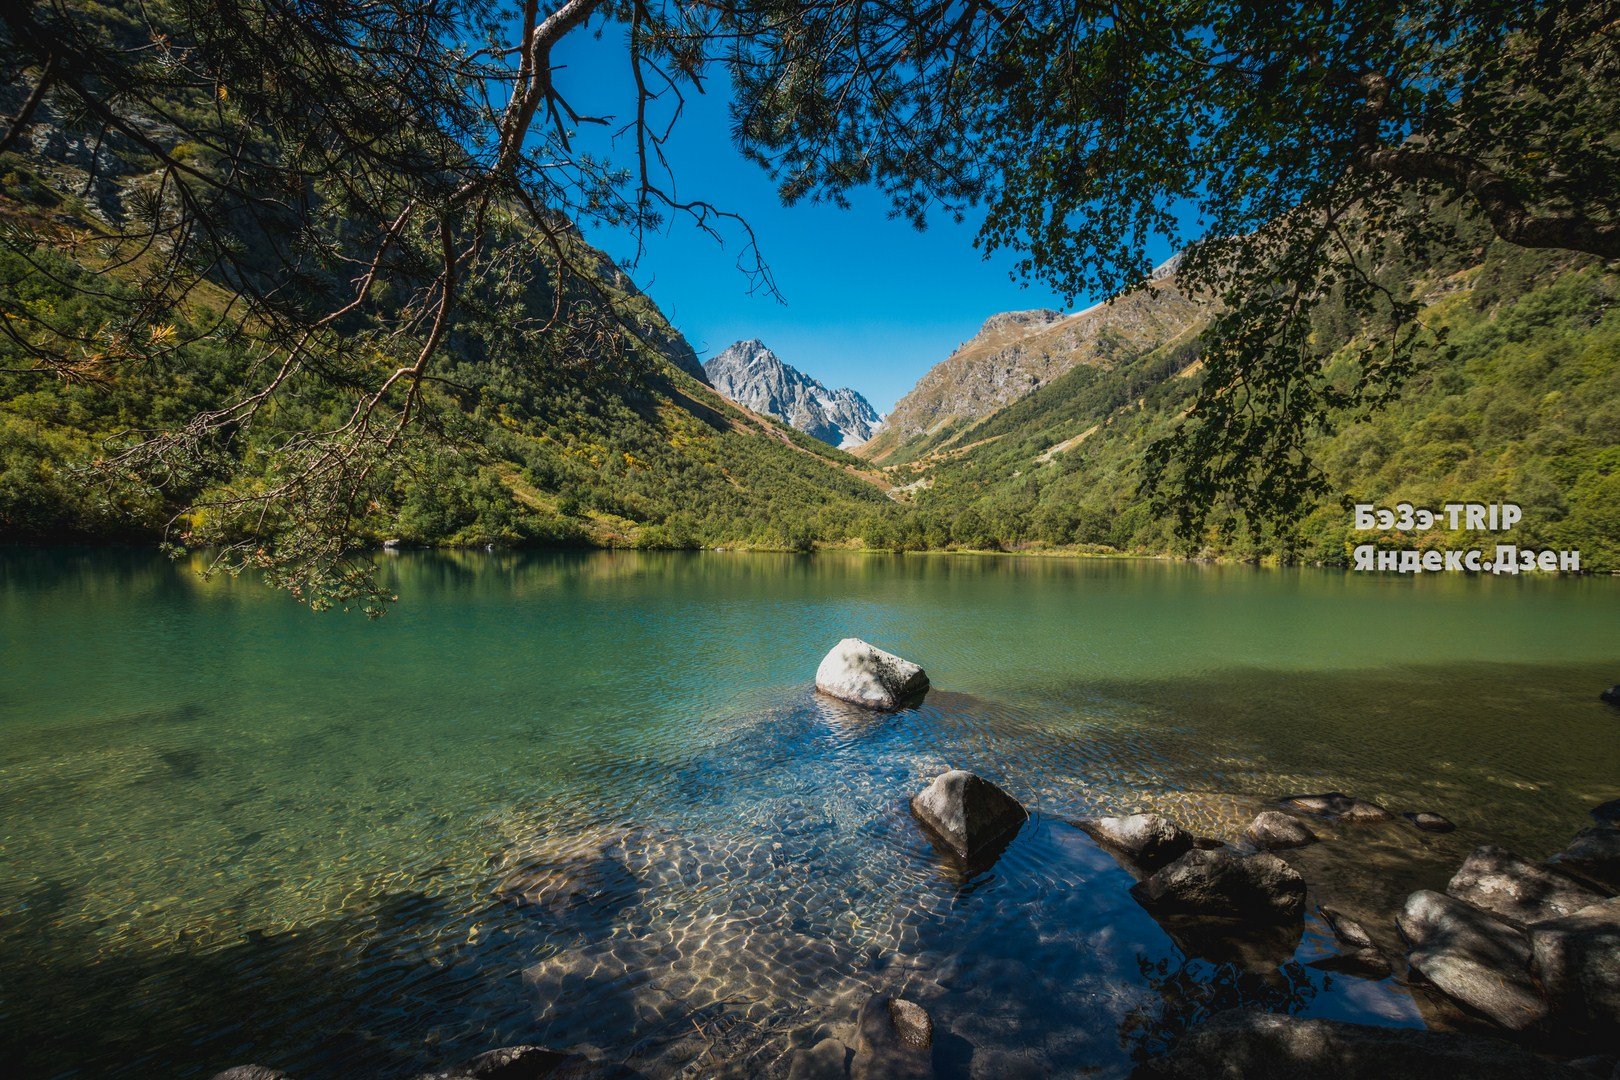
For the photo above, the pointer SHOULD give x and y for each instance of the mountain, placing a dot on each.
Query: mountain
(754, 376)
(536, 451)
(1018, 352)
(1522, 404)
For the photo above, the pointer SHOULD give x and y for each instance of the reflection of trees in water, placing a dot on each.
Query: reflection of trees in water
(1190, 991)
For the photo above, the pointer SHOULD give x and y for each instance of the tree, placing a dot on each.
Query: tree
(1286, 147)
(368, 184)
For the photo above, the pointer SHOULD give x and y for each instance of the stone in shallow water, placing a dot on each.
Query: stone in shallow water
(863, 674)
(1502, 883)
(1611, 695)
(1473, 957)
(1577, 959)
(884, 1051)
(1594, 855)
(250, 1072)
(968, 812)
(1429, 821)
(1272, 830)
(911, 1023)
(533, 1063)
(1345, 928)
(1265, 1046)
(1224, 884)
(827, 1060)
(1146, 840)
(1336, 804)
(1359, 963)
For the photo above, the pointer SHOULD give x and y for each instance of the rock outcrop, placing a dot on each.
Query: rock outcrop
(863, 674)
(967, 812)
(1013, 354)
(755, 377)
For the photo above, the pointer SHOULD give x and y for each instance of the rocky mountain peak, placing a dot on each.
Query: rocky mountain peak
(1019, 320)
(750, 374)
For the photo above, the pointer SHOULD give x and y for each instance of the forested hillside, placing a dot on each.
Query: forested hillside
(548, 451)
(1520, 403)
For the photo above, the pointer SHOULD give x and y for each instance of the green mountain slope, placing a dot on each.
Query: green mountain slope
(527, 453)
(1522, 404)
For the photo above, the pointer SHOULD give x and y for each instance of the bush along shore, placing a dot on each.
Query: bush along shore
(1521, 957)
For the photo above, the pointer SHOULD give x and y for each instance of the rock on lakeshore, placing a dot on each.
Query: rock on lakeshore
(967, 812)
(1146, 840)
(1499, 881)
(1472, 957)
(1223, 884)
(864, 674)
(1577, 960)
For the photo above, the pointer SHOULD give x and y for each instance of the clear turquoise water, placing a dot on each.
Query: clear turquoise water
(232, 830)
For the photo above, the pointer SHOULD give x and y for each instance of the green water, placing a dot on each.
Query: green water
(234, 830)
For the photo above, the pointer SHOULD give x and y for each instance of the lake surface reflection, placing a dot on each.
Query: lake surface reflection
(589, 800)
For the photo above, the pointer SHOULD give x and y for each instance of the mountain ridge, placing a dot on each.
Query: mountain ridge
(1015, 353)
(750, 374)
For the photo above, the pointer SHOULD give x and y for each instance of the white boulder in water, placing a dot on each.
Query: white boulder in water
(864, 674)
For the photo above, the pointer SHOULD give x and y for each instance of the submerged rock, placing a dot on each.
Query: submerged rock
(864, 674)
(1611, 695)
(1146, 840)
(534, 1063)
(1499, 881)
(1361, 956)
(1266, 1046)
(1336, 804)
(1360, 963)
(1472, 957)
(1593, 855)
(827, 1060)
(250, 1072)
(912, 1024)
(1346, 929)
(888, 1046)
(1272, 829)
(968, 812)
(1577, 960)
(1429, 821)
(1223, 884)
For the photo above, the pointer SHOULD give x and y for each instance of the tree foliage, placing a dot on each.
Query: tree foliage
(1281, 145)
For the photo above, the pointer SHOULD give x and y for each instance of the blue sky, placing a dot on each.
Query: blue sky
(870, 302)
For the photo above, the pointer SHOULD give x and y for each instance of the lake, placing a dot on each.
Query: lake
(590, 800)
